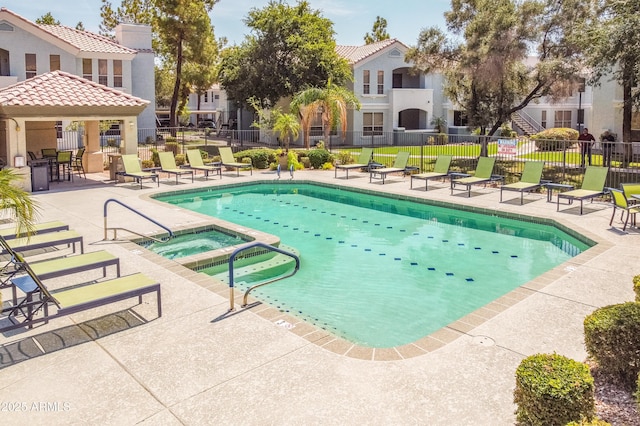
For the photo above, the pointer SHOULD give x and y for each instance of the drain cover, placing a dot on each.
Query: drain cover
(483, 341)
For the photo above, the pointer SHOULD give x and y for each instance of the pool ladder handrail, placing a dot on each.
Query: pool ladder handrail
(246, 293)
(290, 171)
(106, 228)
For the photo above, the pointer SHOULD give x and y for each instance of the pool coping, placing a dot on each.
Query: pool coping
(422, 346)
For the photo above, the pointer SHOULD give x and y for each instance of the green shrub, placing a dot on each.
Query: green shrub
(292, 160)
(553, 390)
(612, 339)
(636, 287)
(181, 159)
(327, 166)
(147, 164)
(547, 140)
(317, 157)
(306, 162)
(260, 158)
(344, 157)
(171, 146)
(155, 158)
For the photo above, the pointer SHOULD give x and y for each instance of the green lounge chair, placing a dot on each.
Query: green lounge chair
(530, 180)
(592, 186)
(399, 165)
(50, 239)
(482, 175)
(631, 191)
(362, 162)
(195, 162)
(132, 169)
(620, 203)
(72, 299)
(39, 228)
(229, 161)
(168, 165)
(440, 170)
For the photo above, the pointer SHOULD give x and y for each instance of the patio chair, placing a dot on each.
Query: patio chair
(48, 240)
(592, 186)
(39, 228)
(168, 165)
(63, 161)
(440, 170)
(132, 169)
(195, 162)
(620, 202)
(229, 161)
(482, 175)
(399, 165)
(73, 299)
(49, 153)
(632, 192)
(76, 163)
(530, 180)
(362, 162)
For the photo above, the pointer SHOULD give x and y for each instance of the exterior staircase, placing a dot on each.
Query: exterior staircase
(527, 125)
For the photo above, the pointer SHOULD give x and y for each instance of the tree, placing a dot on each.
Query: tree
(378, 33)
(332, 102)
(487, 74)
(47, 19)
(286, 126)
(289, 48)
(80, 26)
(611, 43)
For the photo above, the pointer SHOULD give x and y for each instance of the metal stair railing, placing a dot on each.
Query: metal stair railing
(115, 229)
(528, 120)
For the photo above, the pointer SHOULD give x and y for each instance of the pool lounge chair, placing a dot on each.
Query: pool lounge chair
(229, 161)
(621, 203)
(440, 170)
(50, 239)
(195, 162)
(530, 180)
(168, 166)
(70, 300)
(592, 186)
(362, 162)
(39, 228)
(399, 165)
(133, 170)
(482, 175)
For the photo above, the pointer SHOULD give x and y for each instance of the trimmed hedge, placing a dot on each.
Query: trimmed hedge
(553, 390)
(547, 140)
(260, 157)
(612, 339)
(317, 158)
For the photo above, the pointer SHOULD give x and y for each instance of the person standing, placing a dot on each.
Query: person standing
(586, 140)
(607, 140)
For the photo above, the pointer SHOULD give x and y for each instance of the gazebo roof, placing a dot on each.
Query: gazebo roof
(59, 93)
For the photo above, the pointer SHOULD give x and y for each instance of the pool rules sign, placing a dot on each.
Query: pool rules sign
(507, 146)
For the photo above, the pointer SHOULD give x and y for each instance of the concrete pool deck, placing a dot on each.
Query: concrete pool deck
(198, 365)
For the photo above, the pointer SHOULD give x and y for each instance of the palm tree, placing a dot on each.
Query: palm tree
(287, 126)
(17, 201)
(332, 102)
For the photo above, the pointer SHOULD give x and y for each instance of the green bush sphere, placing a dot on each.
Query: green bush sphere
(553, 390)
(612, 339)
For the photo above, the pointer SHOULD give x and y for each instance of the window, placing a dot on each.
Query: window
(316, 128)
(206, 96)
(562, 119)
(543, 120)
(372, 123)
(380, 82)
(216, 97)
(59, 129)
(54, 62)
(117, 73)
(460, 118)
(30, 64)
(366, 82)
(87, 71)
(102, 72)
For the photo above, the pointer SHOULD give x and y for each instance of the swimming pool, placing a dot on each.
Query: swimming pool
(190, 243)
(383, 272)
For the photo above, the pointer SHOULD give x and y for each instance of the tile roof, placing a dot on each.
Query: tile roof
(82, 40)
(59, 88)
(355, 54)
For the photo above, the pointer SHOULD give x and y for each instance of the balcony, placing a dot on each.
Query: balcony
(402, 99)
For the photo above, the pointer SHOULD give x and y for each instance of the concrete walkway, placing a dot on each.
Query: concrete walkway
(196, 365)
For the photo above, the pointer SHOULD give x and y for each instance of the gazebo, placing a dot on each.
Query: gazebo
(30, 109)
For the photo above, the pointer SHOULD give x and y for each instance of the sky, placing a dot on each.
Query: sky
(352, 19)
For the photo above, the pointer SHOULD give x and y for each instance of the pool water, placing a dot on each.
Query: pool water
(188, 244)
(382, 272)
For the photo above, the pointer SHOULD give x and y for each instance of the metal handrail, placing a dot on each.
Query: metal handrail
(290, 171)
(106, 228)
(246, 293)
